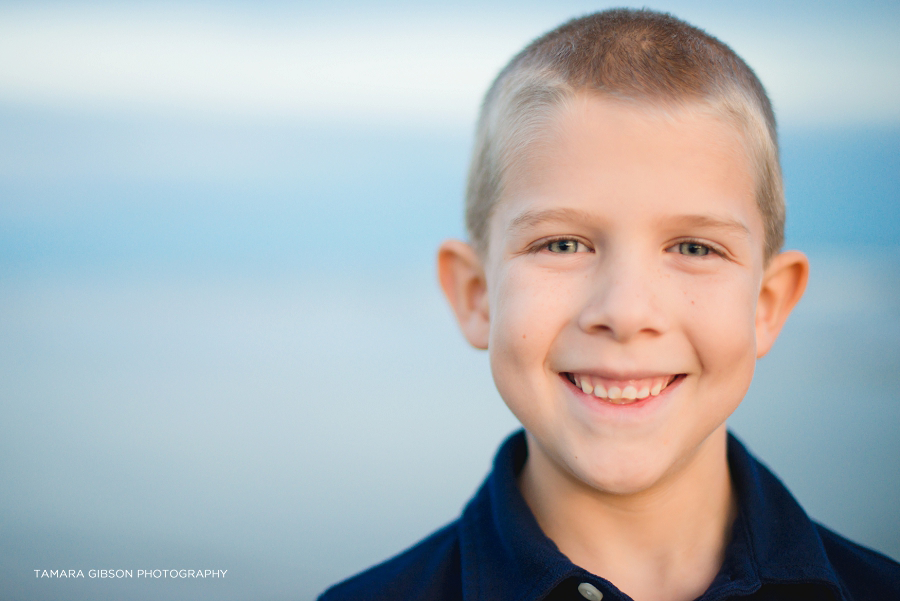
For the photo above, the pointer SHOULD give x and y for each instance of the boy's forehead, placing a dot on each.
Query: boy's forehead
(625, 122)
(577, 127)
(632, 151)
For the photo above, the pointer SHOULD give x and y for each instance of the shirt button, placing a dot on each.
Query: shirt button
(589, 591)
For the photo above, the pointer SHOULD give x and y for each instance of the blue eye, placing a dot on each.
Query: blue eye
(564, 246)
(692, 249)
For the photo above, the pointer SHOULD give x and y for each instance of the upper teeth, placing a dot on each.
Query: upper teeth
(621, 391)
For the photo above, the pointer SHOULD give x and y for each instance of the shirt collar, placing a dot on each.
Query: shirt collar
(505, 555)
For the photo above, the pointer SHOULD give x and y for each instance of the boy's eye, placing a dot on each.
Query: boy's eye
(692, 249)
(565, 246)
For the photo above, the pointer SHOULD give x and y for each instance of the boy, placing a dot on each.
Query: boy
(626, 214)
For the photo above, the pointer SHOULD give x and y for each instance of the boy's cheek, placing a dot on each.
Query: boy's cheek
(727, 304)
(527, 315)
(726, 343)
(516, 330)
(525, 306)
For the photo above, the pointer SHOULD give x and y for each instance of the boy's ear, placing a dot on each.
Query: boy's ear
(784, 281)
(461, 273)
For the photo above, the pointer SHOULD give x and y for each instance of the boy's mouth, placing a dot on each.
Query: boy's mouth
(621, 392)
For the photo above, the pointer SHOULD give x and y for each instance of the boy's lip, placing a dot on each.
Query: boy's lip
(622, 389)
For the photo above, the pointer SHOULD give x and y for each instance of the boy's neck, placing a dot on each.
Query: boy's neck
(666, 543)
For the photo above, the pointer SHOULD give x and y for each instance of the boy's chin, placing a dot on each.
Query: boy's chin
(621, 480)
(624, 470)
(614, 471)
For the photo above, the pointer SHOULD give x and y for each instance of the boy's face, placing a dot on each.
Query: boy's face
(626, 254)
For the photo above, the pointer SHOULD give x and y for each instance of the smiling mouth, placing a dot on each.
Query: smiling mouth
(621, 392)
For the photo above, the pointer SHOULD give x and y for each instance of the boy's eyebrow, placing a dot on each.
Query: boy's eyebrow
(714, 222)
(532, 218)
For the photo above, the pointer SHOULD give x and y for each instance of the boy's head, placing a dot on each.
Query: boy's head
(624, 274)
(640, 57)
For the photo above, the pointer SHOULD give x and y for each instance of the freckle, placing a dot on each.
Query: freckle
(523, 336)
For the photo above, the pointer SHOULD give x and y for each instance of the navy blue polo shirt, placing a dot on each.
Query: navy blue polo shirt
(496, 551)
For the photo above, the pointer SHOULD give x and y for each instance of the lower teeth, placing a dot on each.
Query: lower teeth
(623, 401)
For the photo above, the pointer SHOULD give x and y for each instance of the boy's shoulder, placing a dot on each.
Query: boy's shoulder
(429, 570)
(866, 574)
(784, 545)
(496, 551)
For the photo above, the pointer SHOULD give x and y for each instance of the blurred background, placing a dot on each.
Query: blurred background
(222, 343)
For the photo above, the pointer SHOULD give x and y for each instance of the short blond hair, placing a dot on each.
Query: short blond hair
(632, 55)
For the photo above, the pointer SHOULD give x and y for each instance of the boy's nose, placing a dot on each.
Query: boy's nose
(623, 301)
